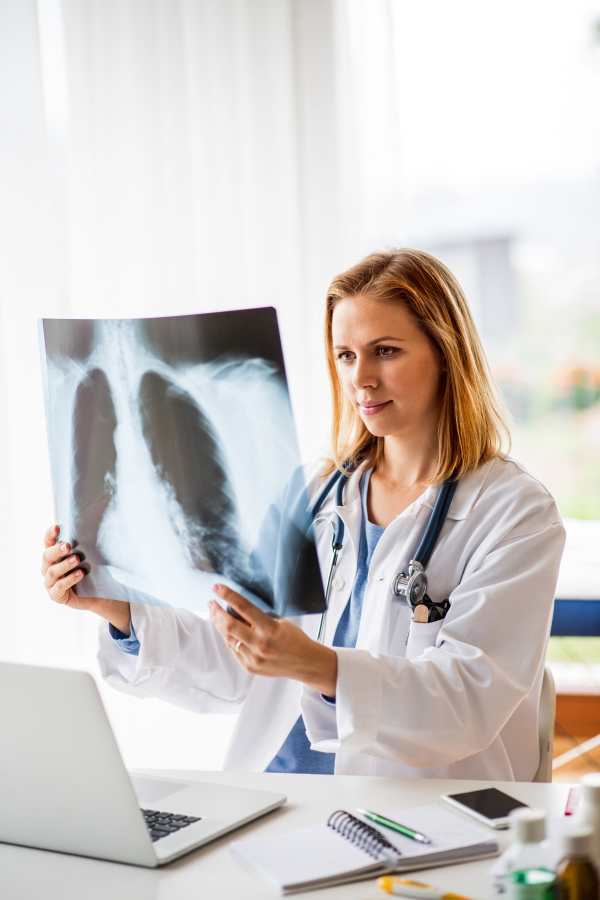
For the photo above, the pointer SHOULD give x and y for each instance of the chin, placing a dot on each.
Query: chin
(377, 429)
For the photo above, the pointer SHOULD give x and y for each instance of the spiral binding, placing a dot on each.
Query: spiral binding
(364, 836)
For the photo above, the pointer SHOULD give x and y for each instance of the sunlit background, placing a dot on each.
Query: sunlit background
(184, 156)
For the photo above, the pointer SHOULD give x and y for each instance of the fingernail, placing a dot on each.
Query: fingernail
(63, 547)
(78, 573)
(73, 560)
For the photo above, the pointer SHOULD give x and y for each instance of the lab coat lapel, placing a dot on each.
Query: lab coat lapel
(374, 632)
(392, 554)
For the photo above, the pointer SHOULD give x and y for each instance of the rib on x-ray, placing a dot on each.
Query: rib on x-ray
(172, 446)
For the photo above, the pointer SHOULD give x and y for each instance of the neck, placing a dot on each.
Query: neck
(410, 460)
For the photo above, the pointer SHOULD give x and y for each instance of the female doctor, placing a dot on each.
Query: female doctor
(414, 406)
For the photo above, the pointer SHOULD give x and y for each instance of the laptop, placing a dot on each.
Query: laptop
(63, 785)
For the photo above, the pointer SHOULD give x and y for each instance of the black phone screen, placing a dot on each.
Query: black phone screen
(488, 802)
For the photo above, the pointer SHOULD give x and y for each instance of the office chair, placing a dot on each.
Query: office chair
(576, 618)
(546, 716)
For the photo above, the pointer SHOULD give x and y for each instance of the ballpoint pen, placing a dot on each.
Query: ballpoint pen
(395, 826)
(406, 888)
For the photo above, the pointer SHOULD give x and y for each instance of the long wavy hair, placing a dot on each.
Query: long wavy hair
(473, 422)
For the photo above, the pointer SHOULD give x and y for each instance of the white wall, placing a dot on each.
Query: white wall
(162, 158)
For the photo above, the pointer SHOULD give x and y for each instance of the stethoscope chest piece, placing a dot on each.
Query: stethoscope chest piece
(412, 586)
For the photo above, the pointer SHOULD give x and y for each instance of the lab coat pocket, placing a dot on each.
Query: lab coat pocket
(421, 635)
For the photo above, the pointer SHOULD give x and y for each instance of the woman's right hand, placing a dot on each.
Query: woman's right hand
(61, 577)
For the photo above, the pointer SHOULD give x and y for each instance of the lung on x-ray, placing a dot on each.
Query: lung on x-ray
(175, 462)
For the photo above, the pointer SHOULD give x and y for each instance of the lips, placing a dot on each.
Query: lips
(372, 407)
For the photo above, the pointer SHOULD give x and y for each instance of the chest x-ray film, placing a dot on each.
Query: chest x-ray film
(174, 460)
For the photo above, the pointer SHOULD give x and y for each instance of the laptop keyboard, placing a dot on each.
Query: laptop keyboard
(160, 824)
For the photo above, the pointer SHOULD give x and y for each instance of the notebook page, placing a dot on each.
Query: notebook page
(449, 834)
(318, 855)
(310, 854)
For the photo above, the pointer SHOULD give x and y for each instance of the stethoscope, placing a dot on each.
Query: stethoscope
(413, 585)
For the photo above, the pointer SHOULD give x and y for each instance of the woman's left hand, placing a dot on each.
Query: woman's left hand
(273, 647)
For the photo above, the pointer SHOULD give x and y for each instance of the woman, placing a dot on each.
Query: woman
(413, 406)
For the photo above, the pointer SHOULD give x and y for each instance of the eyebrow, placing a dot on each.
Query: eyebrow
(386, 337)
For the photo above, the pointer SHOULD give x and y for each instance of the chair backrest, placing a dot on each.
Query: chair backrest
(546, 716)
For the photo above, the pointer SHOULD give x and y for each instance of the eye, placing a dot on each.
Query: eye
(386, 352)
(345, 356)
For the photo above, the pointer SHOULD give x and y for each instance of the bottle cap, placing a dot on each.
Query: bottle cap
(591, 786)
(528, 825)
(577, 842)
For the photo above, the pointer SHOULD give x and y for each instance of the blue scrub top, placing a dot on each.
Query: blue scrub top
(295, 755)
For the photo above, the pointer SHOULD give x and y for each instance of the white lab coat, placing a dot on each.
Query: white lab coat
(450, 699)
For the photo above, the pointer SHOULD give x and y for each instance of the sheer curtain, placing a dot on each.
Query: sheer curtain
(171, 157)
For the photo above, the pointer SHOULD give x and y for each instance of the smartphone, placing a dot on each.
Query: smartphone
(488, 805)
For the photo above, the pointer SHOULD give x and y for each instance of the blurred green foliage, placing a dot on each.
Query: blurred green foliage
(574, 649)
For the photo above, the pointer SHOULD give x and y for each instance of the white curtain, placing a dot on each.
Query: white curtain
(166, 157)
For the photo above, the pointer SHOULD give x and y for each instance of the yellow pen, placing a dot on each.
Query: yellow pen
(406, 888)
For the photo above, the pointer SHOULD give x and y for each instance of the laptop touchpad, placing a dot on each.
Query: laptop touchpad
(149, 790)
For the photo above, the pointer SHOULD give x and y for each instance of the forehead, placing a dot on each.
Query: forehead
(365, 318)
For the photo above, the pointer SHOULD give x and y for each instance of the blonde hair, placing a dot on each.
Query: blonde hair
(473, 423)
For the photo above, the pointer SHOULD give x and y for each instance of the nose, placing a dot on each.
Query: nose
(363, 376)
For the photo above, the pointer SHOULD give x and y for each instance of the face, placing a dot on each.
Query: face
(389, 369)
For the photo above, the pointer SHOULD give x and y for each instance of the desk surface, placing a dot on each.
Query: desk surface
(212, 873)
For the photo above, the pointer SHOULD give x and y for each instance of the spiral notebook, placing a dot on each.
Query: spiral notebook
(349, 849)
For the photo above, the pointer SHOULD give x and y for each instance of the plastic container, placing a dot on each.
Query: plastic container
(529, 849)
(531, 884)
(576, 874)
(587, 814)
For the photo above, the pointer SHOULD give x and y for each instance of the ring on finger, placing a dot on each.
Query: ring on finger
(237, 646)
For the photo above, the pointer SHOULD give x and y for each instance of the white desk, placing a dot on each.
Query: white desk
(212, 874)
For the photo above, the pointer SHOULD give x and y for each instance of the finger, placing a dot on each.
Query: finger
(53, 554)
(63, 585)
(247, 610)
(231, 612)
(54, 573)
(244, 657)
(231, 630)
(51, 535)
(227, 624)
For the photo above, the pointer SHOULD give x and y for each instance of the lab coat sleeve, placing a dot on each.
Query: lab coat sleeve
(452, 700)
(182, 659)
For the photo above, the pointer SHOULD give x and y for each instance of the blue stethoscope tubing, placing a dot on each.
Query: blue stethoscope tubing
(337, 480)
(415, 583)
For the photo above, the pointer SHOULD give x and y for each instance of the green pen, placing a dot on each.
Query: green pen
(395, 826)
